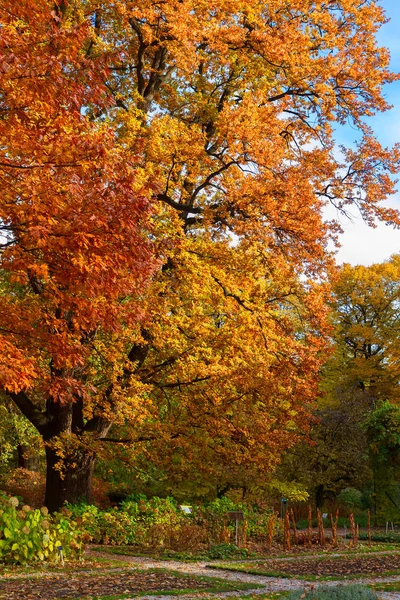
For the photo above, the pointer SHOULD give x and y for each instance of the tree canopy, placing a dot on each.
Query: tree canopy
(164, 169)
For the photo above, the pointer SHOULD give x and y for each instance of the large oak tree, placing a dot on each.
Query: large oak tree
(164, 167)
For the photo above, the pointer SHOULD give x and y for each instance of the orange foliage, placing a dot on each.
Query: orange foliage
(164, 167)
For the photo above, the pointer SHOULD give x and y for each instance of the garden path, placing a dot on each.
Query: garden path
(270, 584)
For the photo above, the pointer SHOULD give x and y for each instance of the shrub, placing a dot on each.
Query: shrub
(30, 535)
(227, 551)
(115, 528)
(154, 523)
(337, 592)
(112, 527)
(380, 537)
(350, 497)
(188, 537)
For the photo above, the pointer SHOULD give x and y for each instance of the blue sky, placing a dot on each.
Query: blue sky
(362, 244)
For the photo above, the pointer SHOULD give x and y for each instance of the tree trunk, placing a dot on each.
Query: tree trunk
(319, 495)
(69, 472)
(73, 487)
(27, 458)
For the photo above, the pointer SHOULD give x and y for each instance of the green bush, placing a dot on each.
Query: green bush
(30, 535)
(112, 526)
(227, 551)
(155, 523)
(154, 511)
(380, 537)
(350, 497)
(337, 592)
(160, 523)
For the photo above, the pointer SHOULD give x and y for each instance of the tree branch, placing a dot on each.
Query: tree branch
(38, 418)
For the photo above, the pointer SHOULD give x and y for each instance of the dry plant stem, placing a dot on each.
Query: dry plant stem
(354, 530)
(334, 523)
(293, 525)
(369, 528)
(271, 529)
(321, 533)
(225, 536)
(309, 525)
(286, 533)
(245, 525)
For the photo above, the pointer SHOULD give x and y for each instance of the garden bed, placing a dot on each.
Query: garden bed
(120, 583)
(339, 566)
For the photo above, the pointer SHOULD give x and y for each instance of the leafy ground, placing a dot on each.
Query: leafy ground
(338, 566)
(115, 578)
(98, 563)
(117, 583)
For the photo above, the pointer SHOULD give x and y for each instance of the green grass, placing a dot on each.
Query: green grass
(388, 586)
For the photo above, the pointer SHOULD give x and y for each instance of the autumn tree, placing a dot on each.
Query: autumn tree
(354, 440)
(366, 364)
(366, 316)
(164, 169)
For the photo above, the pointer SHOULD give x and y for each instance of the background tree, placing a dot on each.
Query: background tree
(164, 168)
(335, 456)
(354, 441)
(367, 325)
